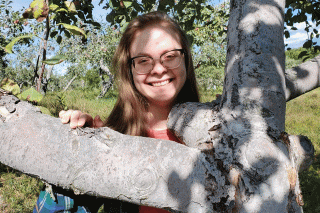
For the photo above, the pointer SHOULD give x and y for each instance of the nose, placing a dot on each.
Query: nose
(158, 68)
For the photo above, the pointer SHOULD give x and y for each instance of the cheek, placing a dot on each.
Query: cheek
(137, 82)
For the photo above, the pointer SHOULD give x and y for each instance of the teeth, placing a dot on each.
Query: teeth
(158, 84)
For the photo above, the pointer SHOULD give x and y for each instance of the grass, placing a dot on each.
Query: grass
(18, 192)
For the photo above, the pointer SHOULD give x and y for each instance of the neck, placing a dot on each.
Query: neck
(157, 116)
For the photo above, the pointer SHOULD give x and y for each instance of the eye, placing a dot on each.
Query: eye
(143, 60)
(170, 56)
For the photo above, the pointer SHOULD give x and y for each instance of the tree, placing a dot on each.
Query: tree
(8, 18)
(237, 159)
(93, 56)
(60, 18)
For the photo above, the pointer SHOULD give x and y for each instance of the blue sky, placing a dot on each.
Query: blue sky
(298, 37)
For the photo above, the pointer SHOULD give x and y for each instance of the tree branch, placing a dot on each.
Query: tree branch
(303, 78)
(103, 162)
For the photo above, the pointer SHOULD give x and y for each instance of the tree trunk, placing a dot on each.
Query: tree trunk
(44, 52)
(47, 79)
(105, 85)
(237, 159)
(70, 82)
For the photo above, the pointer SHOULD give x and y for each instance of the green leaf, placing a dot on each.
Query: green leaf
(53, 7)
(127, 3)
(10, 85)
(303, 53)
(62, 10)
(53, 34)
(286, 34)
(55, 60)
(66, 32)
(40, 9)
(307, 44)
(96, 24)
(59, 39)
(71, 6)
(9, 47)
(110, 4)
(74, 29)
(31, 95)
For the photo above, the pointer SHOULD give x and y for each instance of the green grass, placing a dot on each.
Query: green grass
(18, 192)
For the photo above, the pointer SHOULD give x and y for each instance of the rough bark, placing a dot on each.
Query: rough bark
(237, 159)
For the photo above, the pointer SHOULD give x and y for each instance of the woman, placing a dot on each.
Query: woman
(155, 71)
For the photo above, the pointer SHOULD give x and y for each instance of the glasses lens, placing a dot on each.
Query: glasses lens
(171, 59)
(143, 64)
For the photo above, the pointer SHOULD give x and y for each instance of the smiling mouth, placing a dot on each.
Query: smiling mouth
(162, 83)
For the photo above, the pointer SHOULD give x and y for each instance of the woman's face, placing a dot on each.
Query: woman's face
(161, 85)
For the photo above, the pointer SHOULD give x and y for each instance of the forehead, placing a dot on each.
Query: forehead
(154, 39)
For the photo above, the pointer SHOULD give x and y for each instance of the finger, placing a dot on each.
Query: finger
(74, 118)
(65, 116)
(85, 120)
(61, 113)
(97, 122)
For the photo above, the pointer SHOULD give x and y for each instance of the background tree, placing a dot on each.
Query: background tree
(60, 17)
(9, 28)
(86, 57)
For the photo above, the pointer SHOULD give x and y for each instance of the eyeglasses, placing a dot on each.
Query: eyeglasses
(144, 64)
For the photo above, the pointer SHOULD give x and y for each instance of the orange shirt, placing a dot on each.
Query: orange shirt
(165, 135)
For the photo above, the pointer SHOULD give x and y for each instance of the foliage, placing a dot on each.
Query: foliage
(64, 16)
(9, 28)
(293, 56)
(85, 57)
(21, 65)
(8, 47)
(60, 17)
(298, 12)
(302, 54)
(185, 12)
(10, 85)
(57, 59)
(209, 48)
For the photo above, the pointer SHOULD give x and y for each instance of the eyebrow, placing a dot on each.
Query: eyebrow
(148, 55)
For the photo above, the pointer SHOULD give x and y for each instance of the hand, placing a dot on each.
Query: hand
(79, 119)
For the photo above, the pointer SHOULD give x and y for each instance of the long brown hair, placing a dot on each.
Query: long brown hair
(129, 114)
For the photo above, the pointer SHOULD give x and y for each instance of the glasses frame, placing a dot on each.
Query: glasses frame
(131, 62)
